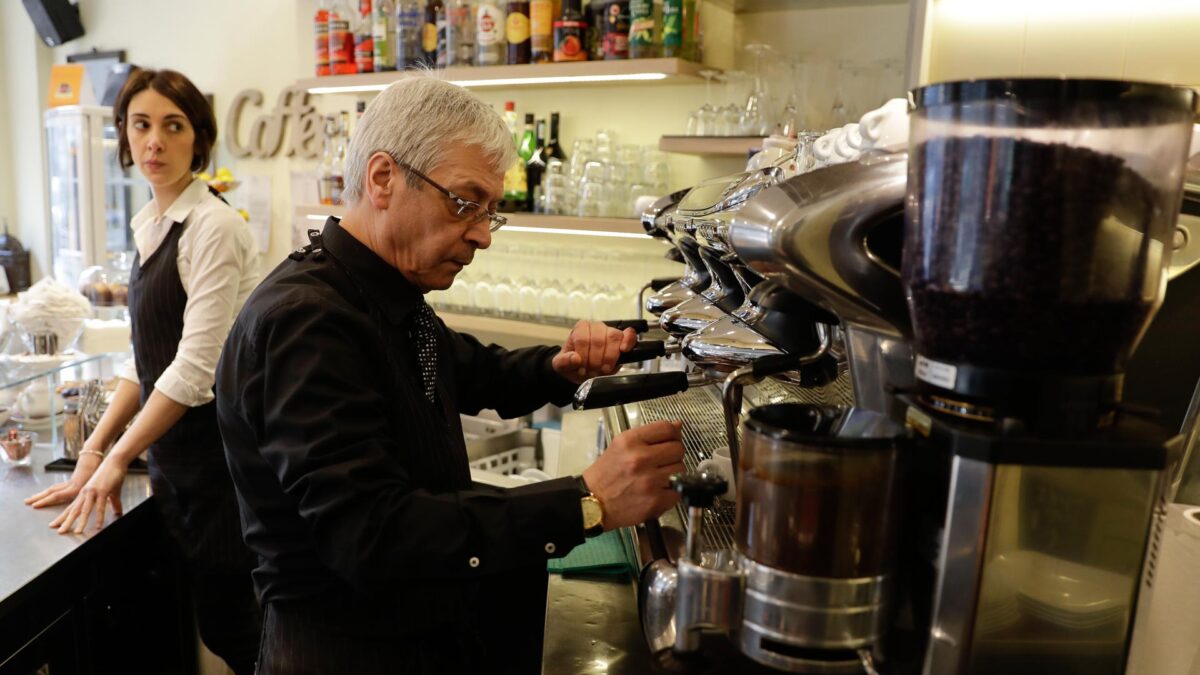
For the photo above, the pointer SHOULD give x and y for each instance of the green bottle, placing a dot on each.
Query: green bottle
(672, 29)
(641, 29)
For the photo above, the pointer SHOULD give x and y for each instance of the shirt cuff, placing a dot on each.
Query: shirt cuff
(177, 388)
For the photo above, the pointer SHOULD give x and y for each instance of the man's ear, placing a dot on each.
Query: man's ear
(382, 180)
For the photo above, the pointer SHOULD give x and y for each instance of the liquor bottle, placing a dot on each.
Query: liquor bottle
(641, 29)
(491, 48)
(570, 34)
(593, 13)
(535, 168)
(443, 43)
(364, 45)
(553, 149)
(672, 30)
(541, 30)
(516, 31)
(525, 151)
(460, 33)
(383, 35)
(339, 159)
(616, 29)
(321, 33)
(341, 40)
(515, 188)
(691, 31)
(360, 107)
(409, 53)
(429, 31)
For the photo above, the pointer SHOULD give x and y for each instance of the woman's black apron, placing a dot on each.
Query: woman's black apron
(188, 475)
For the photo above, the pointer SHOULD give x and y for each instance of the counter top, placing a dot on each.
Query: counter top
(30, 546)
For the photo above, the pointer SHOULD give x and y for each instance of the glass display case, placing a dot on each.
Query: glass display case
(92, 198)
(54, 400)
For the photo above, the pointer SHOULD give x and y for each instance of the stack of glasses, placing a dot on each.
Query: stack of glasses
(603, 179)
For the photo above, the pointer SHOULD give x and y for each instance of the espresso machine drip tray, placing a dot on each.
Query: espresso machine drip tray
(701, 410)
(703, 430)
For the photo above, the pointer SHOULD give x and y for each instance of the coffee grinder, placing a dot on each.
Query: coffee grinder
(1038, 220)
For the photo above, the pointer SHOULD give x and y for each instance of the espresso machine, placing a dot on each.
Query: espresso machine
(989, 287)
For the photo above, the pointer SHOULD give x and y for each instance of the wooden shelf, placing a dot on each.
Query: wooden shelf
(507, 332)
(625, 72)
(730, 146)
(520, 222)
(754, 6)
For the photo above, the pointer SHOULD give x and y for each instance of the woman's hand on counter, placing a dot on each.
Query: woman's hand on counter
(101, 490)
(61, 493)
(591, 350)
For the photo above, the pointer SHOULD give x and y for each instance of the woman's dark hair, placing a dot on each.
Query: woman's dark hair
(180, 91)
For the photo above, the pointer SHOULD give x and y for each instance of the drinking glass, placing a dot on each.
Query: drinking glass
(702, 121)
(756, 115)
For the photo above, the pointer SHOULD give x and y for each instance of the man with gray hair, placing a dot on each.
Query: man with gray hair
(339, 393)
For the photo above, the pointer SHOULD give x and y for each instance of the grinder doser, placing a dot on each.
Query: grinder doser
(1038, 219)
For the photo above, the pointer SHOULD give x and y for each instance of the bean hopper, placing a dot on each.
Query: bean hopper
(1039, 216)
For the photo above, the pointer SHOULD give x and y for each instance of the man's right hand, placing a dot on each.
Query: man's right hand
(632, 479)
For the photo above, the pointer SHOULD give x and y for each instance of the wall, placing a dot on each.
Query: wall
(26, 65)
(226, 46)
(1152, 40)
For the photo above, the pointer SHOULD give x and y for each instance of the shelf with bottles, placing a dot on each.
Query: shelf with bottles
(623, 72)
(517, 222)
(729, 146)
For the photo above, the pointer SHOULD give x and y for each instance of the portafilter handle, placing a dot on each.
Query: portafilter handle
(698, 491)
(609, 390)
(648, 349)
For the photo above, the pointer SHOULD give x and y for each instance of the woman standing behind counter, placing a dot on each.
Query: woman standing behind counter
(196, 264)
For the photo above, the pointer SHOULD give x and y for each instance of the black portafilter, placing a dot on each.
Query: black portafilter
(610, 390)
(697, 491)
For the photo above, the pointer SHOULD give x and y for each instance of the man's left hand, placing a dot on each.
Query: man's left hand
(591, 350)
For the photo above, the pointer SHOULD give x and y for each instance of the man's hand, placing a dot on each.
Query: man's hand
(632, 479)
(591, 350)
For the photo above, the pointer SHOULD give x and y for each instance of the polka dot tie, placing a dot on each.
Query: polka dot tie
(426, 338)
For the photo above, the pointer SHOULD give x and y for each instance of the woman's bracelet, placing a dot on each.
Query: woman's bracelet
(92, 452)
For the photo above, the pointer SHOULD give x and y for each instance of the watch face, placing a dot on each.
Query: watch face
(593, 515)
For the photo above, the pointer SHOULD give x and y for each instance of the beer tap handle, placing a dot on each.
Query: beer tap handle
(698, 491)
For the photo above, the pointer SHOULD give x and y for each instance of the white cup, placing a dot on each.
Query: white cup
(720, 464)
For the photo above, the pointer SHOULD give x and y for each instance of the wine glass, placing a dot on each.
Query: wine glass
(755, 118)
(793, 114)
(729, 115)
(702, 121)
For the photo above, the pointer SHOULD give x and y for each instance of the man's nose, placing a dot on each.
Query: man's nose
(480, 234)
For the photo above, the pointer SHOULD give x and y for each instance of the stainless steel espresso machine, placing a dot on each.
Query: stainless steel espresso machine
(985, 501)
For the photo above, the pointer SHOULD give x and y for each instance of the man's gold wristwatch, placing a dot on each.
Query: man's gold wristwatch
(593, 511)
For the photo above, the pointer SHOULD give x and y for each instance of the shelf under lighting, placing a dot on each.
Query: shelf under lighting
(629, 71)
(536, 223)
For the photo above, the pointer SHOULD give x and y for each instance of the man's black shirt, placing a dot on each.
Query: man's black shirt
(354, 488)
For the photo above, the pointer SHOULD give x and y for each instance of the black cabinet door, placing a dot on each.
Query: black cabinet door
(53, 651)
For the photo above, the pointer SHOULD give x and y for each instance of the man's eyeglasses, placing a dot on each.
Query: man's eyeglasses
(469, 211)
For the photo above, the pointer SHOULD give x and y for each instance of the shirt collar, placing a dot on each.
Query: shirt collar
(386, 286)
(187, 200)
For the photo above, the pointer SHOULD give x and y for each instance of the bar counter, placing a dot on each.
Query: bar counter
(107, 601)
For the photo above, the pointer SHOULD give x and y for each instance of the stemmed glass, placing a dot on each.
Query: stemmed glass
(755, 121)
(701, 121)
(729, 116)
(793, 116)
(839, 114)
